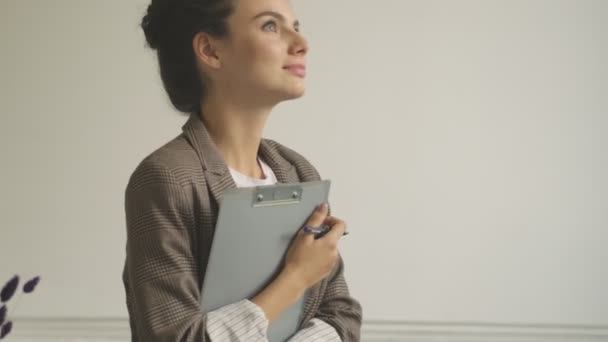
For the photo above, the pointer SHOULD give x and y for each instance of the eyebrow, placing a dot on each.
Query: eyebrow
(277, 15)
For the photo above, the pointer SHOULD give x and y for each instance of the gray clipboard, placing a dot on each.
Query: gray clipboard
(254, 229)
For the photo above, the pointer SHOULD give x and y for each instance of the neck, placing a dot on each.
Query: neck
(236, 130)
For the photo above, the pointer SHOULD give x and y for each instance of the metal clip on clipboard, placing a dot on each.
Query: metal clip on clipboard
(264, 196)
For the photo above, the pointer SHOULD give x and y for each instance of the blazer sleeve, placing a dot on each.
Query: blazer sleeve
(160, 266)
(338, 308)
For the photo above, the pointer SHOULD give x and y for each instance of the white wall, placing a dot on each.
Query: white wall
(466, 142)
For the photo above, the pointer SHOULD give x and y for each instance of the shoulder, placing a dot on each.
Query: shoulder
(175, 162)
(306, 170)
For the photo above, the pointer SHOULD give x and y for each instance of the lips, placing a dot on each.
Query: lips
(296, 69)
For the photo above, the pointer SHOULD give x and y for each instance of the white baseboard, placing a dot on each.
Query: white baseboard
(383, 331)
(113, 330)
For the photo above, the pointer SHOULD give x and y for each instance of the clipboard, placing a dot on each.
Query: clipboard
(254, 229)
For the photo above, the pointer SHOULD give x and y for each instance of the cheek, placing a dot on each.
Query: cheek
(265, 55)
(258, 59)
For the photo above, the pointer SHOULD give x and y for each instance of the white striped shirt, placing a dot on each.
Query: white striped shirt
(246, 321)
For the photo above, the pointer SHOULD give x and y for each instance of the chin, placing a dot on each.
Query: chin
(285, 90)
(288, 94)
(295, 91)
(296, 94)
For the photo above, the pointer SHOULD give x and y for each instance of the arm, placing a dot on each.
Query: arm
(338, 308)
(338, 316)
(163, 295)
(282, 293)
(242, 321)
(316, 330)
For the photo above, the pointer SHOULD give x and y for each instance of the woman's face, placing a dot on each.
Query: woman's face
(264, 56)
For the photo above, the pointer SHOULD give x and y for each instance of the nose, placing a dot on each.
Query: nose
(299, 44)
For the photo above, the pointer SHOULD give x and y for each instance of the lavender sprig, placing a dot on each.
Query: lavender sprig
(2, 314)
(30, 286)
(6, 329)
(9, 289)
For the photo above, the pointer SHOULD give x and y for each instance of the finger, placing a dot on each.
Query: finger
(315, 220)
(318, 216)
(302, 234)
(336, 231)
(332, 220)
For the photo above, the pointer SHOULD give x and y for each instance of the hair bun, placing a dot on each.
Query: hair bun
(154, 22)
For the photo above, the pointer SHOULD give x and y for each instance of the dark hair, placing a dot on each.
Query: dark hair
(170, 26)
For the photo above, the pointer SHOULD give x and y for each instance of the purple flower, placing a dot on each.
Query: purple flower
(31, 285)
(6, 329)
(9, 289)
(2, 314)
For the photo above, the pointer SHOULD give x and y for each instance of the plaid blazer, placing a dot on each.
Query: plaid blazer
(171, 206)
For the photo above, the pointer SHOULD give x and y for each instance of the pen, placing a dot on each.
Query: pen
(319, 230)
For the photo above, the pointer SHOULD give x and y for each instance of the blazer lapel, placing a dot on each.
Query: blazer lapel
(217, 174)
(282, 168)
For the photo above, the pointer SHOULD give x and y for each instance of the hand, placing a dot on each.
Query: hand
(309, 259)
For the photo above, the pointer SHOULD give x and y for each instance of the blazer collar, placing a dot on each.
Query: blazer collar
(215, 169)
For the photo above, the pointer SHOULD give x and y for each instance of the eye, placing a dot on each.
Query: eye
(270, 23)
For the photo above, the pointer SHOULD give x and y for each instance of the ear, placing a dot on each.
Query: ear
(206, 50)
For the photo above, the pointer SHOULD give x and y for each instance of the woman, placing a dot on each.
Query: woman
(226, 63)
